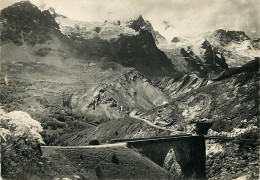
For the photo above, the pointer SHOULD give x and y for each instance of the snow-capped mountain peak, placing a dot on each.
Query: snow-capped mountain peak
(89, 30)
(235, 46)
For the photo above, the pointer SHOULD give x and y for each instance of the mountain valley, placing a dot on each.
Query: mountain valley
(88, 81)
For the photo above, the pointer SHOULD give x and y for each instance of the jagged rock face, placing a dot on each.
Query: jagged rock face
(225, 37)
(132, 91)
(194, 64)
(138, 51)
(204, 61)
(212, 57)
(54, 14)
(159, 39)
(235, 46)
(232, 160)
(171, 164)
(174, 87)
(144, 55)
(207, 65)
(211, 53)
(230, 104)
(25, 22)
(146, 31)
(140, 23)
(131, 49)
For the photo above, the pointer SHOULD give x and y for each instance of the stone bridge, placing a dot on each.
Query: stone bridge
(190, 152)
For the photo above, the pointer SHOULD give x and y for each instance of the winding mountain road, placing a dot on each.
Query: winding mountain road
(132, 115)
(121, 144)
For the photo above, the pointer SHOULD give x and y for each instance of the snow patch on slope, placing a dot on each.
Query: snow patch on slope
(236, 53)
(90, 30)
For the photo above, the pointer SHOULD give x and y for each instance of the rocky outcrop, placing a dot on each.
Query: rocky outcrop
(144, 56)
(226, 37)
(193, 61)
(227, 103)
(235, 46)
(171, 165)
(140, 23)
(175, 40)
(208, 63)
(24, 22)
(210, 54)
(232, 160)
(212, 57)
(141, 52)
(131, 91)
(181, 84)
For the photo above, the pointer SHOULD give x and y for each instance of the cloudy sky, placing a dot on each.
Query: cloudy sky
(186, 17)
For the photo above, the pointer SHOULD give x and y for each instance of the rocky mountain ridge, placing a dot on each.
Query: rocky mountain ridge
(123, 49)
(25, 22)
(211, 53)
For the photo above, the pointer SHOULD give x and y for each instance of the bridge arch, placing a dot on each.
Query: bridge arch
(190, 153)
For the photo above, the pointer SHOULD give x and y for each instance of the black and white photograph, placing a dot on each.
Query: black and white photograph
(129, 89)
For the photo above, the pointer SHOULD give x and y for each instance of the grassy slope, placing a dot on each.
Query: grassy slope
(39, 82)
(97, 163)
(125, 127)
